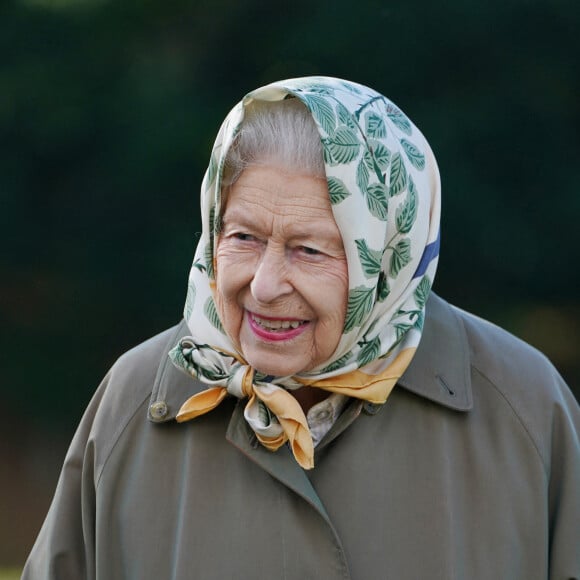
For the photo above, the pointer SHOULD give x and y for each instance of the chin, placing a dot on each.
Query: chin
(275, 371)
(275, 368)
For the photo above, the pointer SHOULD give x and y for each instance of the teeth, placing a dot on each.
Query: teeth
(276, 324)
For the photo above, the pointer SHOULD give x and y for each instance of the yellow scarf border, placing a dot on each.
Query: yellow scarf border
(358, 384)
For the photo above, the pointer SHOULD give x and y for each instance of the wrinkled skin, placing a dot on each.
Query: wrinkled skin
(280, 262)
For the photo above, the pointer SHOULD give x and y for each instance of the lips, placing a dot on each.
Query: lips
(276, 329)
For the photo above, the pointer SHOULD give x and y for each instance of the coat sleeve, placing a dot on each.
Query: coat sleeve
(564, 488)
(64, 549)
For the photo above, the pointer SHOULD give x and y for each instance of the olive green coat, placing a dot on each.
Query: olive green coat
(469, 471)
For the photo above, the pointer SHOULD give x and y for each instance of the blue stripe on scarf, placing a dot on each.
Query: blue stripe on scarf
(431, 251)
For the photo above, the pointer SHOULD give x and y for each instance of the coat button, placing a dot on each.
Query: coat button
(158, 410)
(323, 415)
(371, 408)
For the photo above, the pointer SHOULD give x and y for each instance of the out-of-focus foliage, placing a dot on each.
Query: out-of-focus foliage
(10, 573)
(107, 115)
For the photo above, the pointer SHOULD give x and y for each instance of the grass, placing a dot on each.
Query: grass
(10, 573)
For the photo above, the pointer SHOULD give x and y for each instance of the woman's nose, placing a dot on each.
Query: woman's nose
(270, 279)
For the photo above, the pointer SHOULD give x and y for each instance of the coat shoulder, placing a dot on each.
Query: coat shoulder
(506, 360)
(523, 377)
(126, 390)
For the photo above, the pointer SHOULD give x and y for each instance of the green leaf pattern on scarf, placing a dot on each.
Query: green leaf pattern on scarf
(337, 190)
(337, 364)
(406, 213)
(345, 117)
(369, 351)
(422, 292)
(208, 258)
(398, 175)
(402, 328)
(362, 175)
(211, 314)
(400, 257)
(342, 147)
(360, 303)
(383, 289)
(208, 252)
(377, 200)
(369, 259)
(190, 300)
(399, 119)
(380, 154)
(322, 110)
(419, 320)
(375, 125)
(415, 156)
(213, 167)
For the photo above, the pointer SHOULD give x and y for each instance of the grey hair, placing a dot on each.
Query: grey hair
(282, 133)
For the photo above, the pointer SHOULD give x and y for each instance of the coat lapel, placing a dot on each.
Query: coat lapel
(280, 464)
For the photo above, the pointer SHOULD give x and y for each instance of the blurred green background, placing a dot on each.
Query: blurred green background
(108, 110)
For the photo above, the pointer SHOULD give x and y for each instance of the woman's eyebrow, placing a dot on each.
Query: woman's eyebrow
(239, 218)
(321, 234)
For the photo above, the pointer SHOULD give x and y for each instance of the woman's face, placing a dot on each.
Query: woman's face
(281, 271)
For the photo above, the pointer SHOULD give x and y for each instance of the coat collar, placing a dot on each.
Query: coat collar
(439, 371)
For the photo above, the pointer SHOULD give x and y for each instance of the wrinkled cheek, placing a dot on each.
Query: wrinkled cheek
(220, 304)
(328, 334)
(229, 311)
(330, 325)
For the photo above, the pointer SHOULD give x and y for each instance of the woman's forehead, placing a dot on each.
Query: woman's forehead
(280, 191)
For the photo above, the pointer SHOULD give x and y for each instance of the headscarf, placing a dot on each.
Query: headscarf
(384, 190)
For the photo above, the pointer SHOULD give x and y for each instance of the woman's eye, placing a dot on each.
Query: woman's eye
(310, 251)
(243, 237)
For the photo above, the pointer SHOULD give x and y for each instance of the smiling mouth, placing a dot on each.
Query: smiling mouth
(277, 325)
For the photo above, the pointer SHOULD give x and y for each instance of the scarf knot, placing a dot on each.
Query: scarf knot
(272, 412)
(215, 367)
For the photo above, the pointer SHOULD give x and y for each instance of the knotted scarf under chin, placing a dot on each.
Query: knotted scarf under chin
(272, 412)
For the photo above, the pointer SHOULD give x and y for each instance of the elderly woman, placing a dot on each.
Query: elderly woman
(319, 413)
